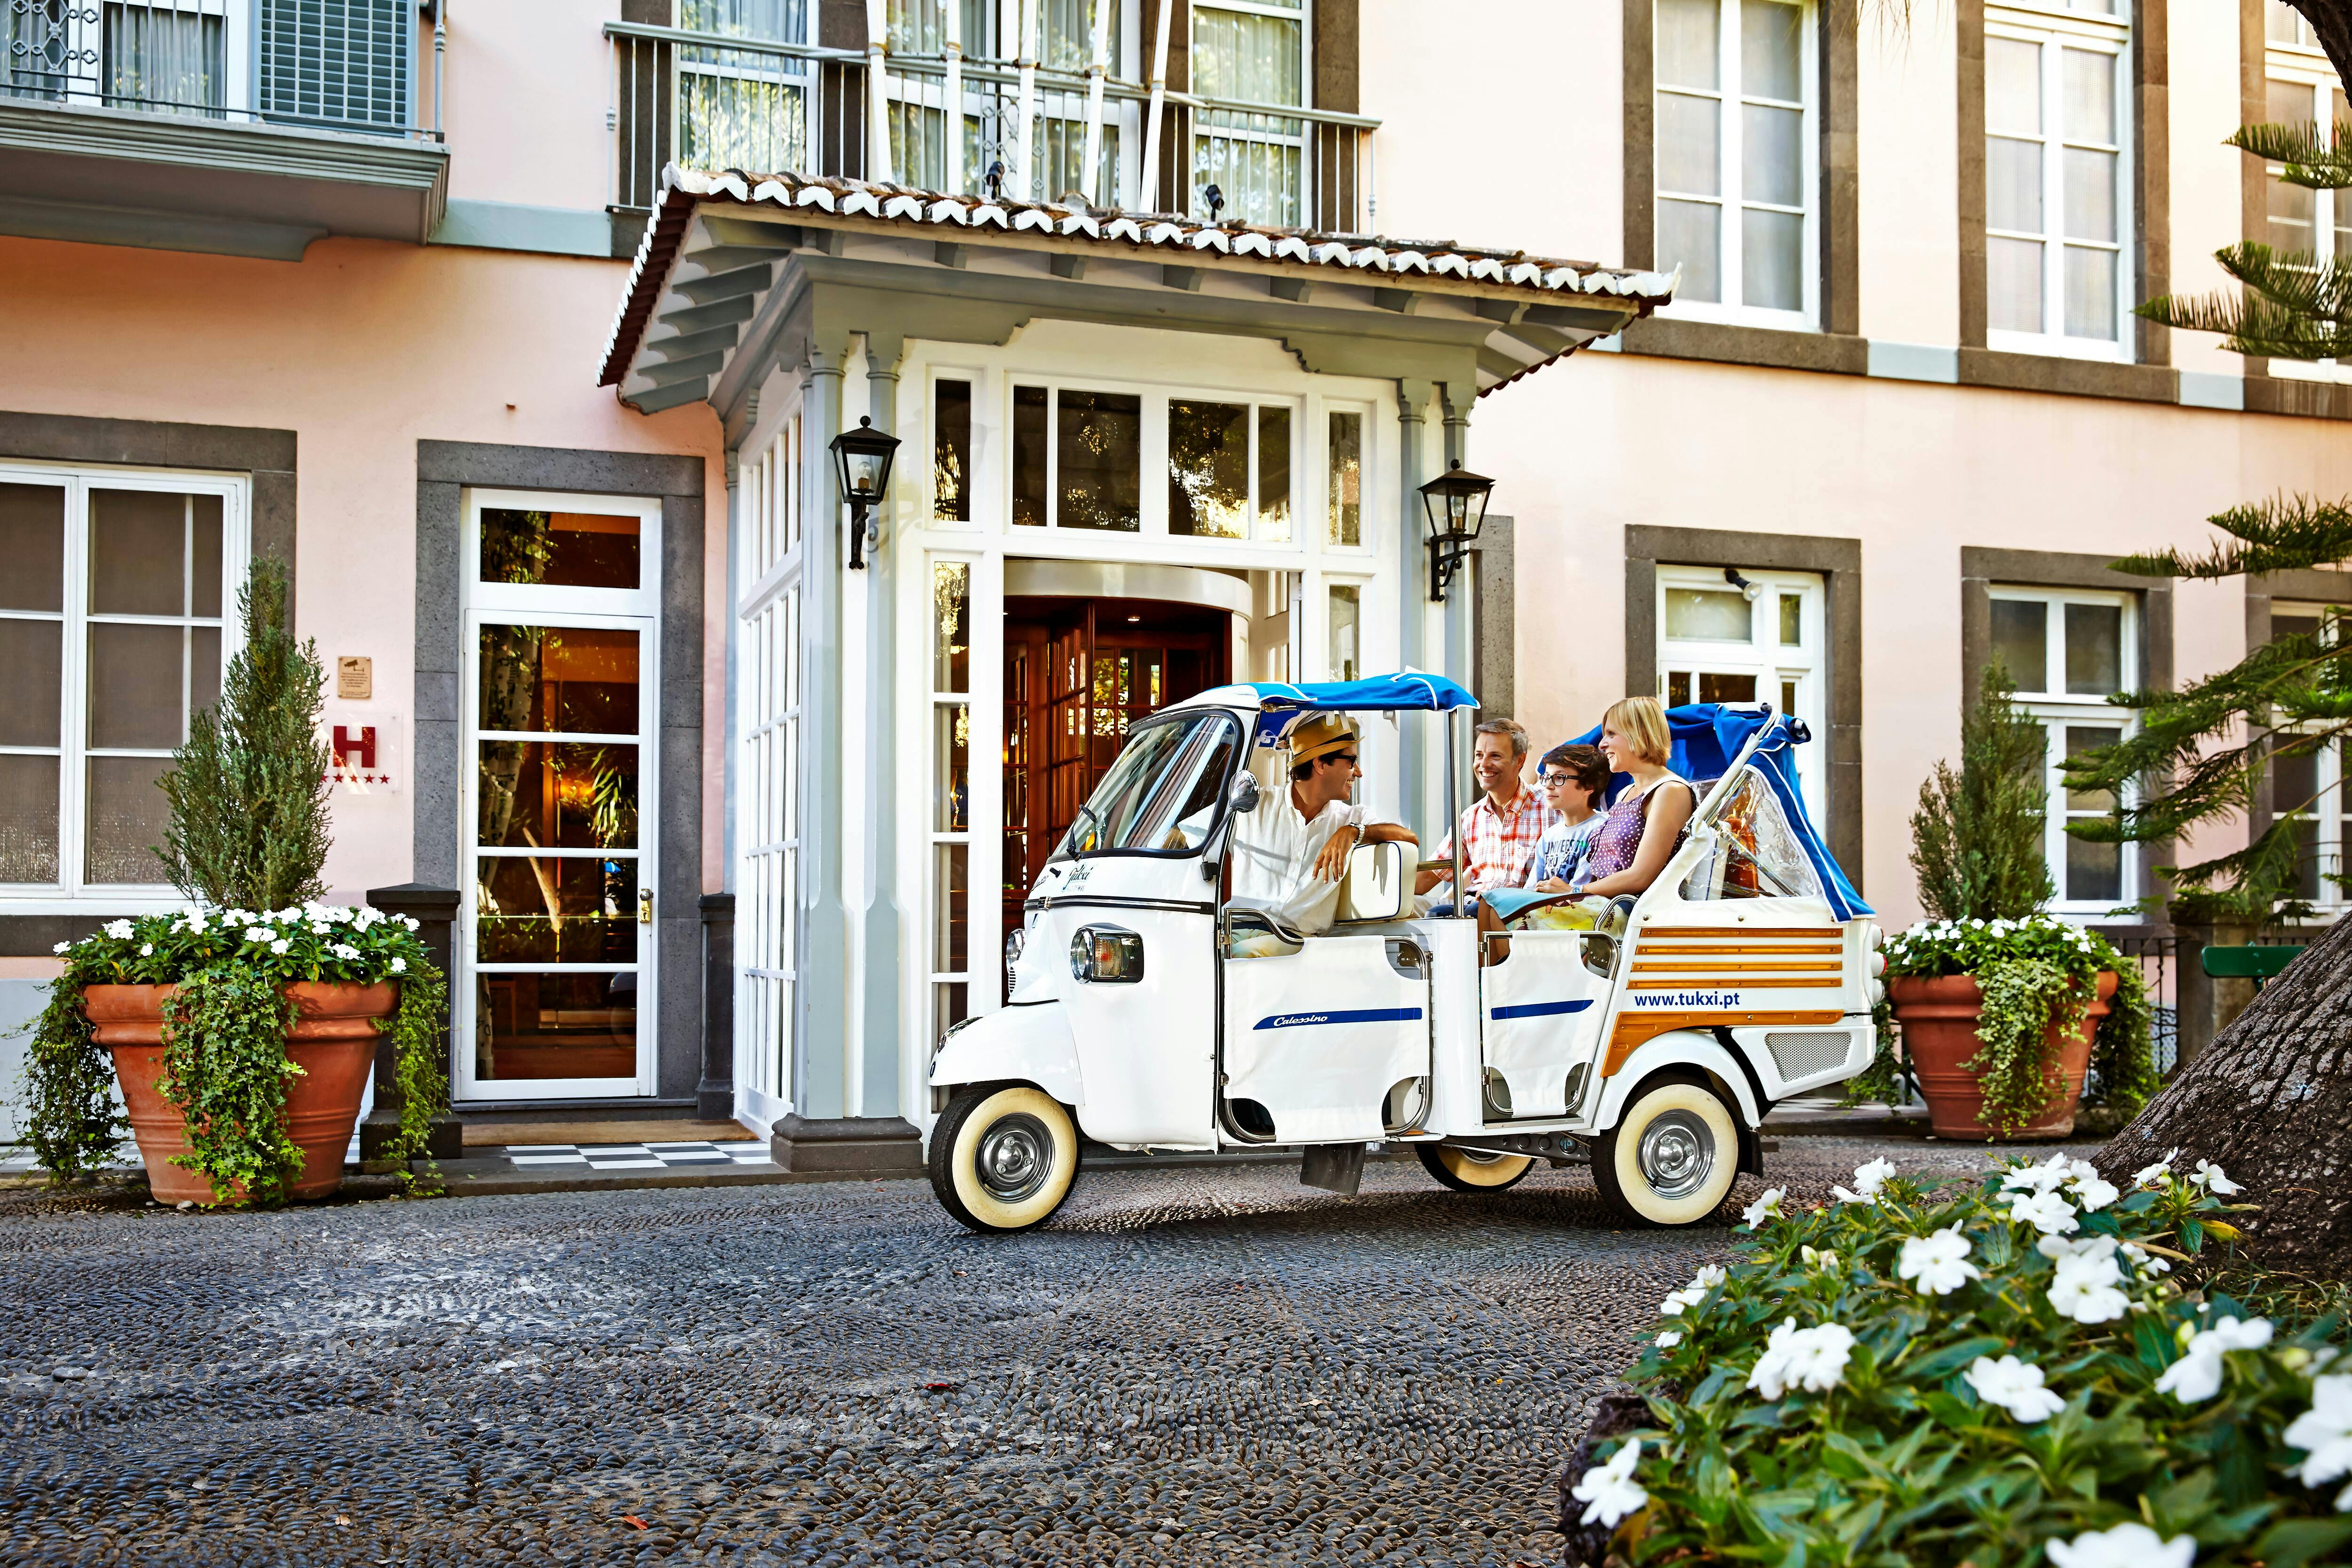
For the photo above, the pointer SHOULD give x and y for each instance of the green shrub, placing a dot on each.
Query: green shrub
(1989, 1373)
(1976, 839)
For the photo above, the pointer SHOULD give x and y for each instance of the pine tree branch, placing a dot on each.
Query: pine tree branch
(2286, 533)
(2313, 161)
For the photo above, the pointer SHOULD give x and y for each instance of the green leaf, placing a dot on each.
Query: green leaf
(2192, 1236)
(2291, 1542)
(1942, 1363)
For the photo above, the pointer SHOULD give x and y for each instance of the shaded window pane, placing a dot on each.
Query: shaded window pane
(1771, 259)
(33, 544)
(2081, 738)
(1690, 144)
(1274, 473)
(2089, 96)
(32, 691)
(2014, 185)
(127, 816)
(1208, 469)
(1716, 686)
(1687, 239)
(2013, 284)
(1792, 620)
(1346, 608)
(566, 679)
(2089, 293)
(560, 549)
(1029, 457)
(951, 451)
(28, 819)
(134, 685)
(2288, 102)
(2090, 195)
(1709, 615)
(555, 1025)
(1098, 459)
(2094, 872)
(2021, 641)
(1768, 53)
(138, 552)
(2094, 648)
(2012, 86)
(204, 576)
(2283, 24)
(1771, 159)
(953, 813)
(547, 909)
(1689, 39)
(949, 948)
(543, 794)
(2283, 626)
(951, 623)
(2290, 216)
(203, 668)
(1347, 498)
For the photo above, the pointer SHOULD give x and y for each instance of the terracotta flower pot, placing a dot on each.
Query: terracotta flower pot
(332, 1041)
(1940, 1032)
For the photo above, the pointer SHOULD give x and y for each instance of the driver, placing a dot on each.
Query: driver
(1291, 852)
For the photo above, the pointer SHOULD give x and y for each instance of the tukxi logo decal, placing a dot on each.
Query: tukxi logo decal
(1687, 999)
(1353, 1015)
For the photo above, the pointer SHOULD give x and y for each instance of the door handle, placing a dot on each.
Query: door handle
(645, 905)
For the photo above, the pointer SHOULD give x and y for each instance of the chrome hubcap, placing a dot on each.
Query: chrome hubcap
(1016, 1156)
(1677, 1154)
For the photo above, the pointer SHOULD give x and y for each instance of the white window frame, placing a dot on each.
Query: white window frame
(1773, 664)
(71, 893)
(980, 904)
(2310, 71)
(1303, 14)
(2334, 800)
(2053, 710)
(2054, 30)
(1249, 533)
(1732, 200)
(1327, 524)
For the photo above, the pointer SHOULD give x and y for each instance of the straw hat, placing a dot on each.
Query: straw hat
(1319, 736)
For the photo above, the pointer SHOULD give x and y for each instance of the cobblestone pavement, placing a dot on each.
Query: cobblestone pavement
(1193, 1366)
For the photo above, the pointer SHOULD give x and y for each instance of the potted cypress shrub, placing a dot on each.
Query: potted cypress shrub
(2003, 1006)
(241, 1030)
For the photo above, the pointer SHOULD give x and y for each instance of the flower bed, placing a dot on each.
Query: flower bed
(1999, 1372)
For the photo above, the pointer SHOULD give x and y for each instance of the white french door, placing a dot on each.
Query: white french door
(556, 985)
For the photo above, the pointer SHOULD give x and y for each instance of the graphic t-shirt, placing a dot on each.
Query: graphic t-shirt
(1562, 850)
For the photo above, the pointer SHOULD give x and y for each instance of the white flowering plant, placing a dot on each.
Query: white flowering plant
(225, 1061)
(2002, 1371)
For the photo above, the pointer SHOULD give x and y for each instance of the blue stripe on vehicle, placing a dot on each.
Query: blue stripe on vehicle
(1357, 1015)
(1541, 1009)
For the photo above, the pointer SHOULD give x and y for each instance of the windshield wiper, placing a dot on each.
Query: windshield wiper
(1086, 813)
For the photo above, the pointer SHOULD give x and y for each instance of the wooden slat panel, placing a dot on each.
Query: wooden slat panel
(1636, 1029)
(1719, 932)
(1720, 966)
(1730, 982)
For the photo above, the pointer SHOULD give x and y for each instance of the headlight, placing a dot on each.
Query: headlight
(1016, 941)
(1107, 955)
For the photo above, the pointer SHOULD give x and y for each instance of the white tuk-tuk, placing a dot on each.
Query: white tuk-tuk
(1651, 1046)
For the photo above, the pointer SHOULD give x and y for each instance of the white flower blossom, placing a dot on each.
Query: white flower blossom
(2087, 1285)
(2047, 1177)
(1812, 1359)
(1609, 1491)
(2125, 1546)
(146, 950)
(1824, 1259)
(279, 946)
(1670, 1339)
(1939, 1264)
(346, 951)
(2145, 1263)
(118, 930)
(2196, 1377)
(400, 966)
(2015, 1386)
(1868, 1179)
(62, 947)
(2210, 1177)
(1764, 1208)
(2094, 1191)
(2325, 1433)
(2046, 1211)
(408, 921)
(2151, 1176)
(1709, 1276)
(1678, 1301)
(257, 934)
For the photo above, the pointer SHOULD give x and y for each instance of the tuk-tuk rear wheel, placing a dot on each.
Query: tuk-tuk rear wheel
(1004, 1157)
(1672, 1157)
(1472, 1170)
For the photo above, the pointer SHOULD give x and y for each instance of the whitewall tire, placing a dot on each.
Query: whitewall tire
(1672, 1157)
(1002, 1159)
(1471, 1170)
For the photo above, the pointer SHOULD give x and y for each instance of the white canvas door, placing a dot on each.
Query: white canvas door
(1320, 1036)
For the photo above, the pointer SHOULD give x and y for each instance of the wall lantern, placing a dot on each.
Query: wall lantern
(1456, 503)
(861, 462)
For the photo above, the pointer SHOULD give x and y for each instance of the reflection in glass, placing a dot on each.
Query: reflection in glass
(1347, 479)
(948, 954)
(127, 816)
(557, 794)
(1709, 615)
(555, 1025)
(1689, 238)
(1792, 620)
(951, 451)
(950, 1003)
(1208, 469)
(2094, 872)
(1346, 645)
(2082, 738)
(1713, 686)
(1770, 63)
(1274, 474)
(2013, 284)
(1029, 457)
(2094, 648)
(546, 908)
(560, 549)
(954, 743)
(2021, 642)
(565, 679)
(1687, 42)
(1098, 460)
(951, 609)
(28, 819)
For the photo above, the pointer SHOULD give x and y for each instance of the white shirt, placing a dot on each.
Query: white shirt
(1274, 854)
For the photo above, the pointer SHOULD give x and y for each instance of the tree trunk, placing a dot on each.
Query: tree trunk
(2271, 1102)
(2331, 22)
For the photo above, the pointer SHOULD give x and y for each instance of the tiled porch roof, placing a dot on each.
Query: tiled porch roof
(1158, 236)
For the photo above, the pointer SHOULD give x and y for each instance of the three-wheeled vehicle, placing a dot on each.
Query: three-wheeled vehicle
(1651, 1046)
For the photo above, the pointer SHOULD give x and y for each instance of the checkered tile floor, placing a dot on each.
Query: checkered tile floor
(634, 1156)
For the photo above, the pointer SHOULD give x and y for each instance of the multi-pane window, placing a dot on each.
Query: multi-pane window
(1343, 473)
(117, 606)
(1745, 636)
(2067, 652)
(768, 803)
(2308, 776)
(1252, 52)
(1228, 469)
(2057, 196)
(1077, 458)
(2301, 90)
(743, 108)
(950, 961)
(1736, 155)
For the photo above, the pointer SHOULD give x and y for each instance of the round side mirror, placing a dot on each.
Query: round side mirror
(1241, 795)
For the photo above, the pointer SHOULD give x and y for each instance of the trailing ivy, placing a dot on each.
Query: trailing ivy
(2024, 1000)
(419, 1031)
(224, 1065)
(70, 1116)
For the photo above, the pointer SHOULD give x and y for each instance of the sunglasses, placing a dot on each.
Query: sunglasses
(1347, 757)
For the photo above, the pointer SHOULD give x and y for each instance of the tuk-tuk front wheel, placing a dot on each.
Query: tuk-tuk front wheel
(1472, 1170)
(1672, 1157)
(1002, 1159)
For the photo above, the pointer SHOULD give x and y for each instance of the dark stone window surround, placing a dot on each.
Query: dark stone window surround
(266, 457)
(2297, 587)
(1838, 563)
(1837, 347)
(1981, 568)
(444, 468)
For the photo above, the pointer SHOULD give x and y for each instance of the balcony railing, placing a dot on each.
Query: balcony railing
(711, 101)
(338, 65)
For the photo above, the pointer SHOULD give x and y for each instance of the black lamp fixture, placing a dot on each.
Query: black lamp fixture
(861, 462)
(1216, 200)
(1456, 503)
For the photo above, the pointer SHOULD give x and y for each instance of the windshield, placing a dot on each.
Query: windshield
(1757, 854)
(1163, 795)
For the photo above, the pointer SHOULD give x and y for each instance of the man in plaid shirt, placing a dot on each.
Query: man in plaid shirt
(1500, 829)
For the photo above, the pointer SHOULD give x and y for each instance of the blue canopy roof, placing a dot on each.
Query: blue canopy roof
(1406, 691)
(1707, 737)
